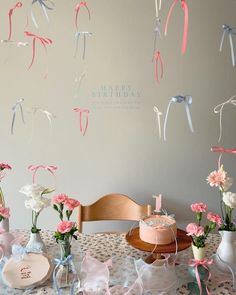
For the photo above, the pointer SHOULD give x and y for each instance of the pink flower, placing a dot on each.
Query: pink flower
(4, 212)
(5, 166)
(71, 204)
(194, 229)
(59, 199)
(65, 226)
(217, 178)
(199, 207)
(214, 218)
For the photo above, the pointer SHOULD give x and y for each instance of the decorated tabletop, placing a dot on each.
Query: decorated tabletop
(104, 246)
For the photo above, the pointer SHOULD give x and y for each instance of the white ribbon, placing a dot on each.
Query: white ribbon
(157, 7)
(229, 30)
(158, 118)
(77, 35)
(157, 32)
(219, 110)
(14, 109)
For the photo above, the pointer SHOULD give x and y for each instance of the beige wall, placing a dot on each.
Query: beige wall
(121, 151)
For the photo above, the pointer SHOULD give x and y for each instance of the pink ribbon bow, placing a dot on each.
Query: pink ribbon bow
(219, 149)
(157, 58)
(77, 9)
(86, 112)
(10, 13)
(184, 6)
(204, 263)
(49, 168)
(42, 40)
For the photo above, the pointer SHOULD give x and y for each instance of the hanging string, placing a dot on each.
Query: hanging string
(77, 10)
(157, 58)
(14, 109)
(81, 112)
(85, 35)
(10, 13)
(158, 118)
(44, 7)
(230, 31)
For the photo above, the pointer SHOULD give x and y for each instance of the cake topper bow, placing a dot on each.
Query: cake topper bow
(230, 31)
(44, 7)
(187, 100)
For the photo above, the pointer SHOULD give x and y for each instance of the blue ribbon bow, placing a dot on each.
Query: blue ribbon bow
(14, 108)
(77, 35)
(44, 7)
(229, 30)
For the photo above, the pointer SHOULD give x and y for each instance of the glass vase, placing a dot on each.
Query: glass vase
(65, 277)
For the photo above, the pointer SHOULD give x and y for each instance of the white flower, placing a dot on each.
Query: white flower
(229, 199)
(37, 204)
(228, 183)
(32, 190)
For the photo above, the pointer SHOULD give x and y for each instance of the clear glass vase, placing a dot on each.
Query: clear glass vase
(65, 277)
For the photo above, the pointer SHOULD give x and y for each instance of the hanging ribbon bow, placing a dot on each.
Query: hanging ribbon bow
(157, 32)
(184, 6)
(77, 35)
(18, 252)
(10, 13)
(44, 8)
(43, 41)
(221, 150)
(81, 112)
(157, 7)
(158, 117)
(204, 263)
(35, 168)
(77, 10)
(14, 108)
(219, 109)
(227, 29)
(187, 99)
(157, 58)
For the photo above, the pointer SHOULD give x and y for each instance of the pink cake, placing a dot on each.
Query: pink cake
(158, 229)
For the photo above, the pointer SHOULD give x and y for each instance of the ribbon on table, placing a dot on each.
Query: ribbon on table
(227, 29)
(44, 7)
(59, 262)
(219, 110)
(43, 41)
(157, 32)
(221, 150)
(77, 35)
(204, 263)
(10, 13)
(184, 6)
(157, 58)
(81, 112)
(77, 10)
(49, 168)
(158, 118)
(17, 105)
(187, 99)
(18, 252)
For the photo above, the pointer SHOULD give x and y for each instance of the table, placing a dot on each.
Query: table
(104, 246)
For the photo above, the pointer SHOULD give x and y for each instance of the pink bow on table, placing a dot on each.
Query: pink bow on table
(49, 168)
(77, 9)
(184, 6)
(157, 58)
(219, 149)
(86, 112)
(204, 263)
(10, 13)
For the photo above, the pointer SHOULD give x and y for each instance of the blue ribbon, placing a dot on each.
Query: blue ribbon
(229, 30)
(18, 252)
(187, 100)
(44, 7)
(14, 108)
(77, 35)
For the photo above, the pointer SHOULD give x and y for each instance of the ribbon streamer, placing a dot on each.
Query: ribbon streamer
(44, 7)
(204, 263)
(157, 7)
(221, 150)
(157, 58)
(49, 168)
(219, 110)
(77, 10)
(187, 99)
(158, 118)
(157, 33)
(81, 112)
(78, 81)
(227, 29)
(14, 109)
(43, 41)
(77, 35)
(10, 13)
(184, 6)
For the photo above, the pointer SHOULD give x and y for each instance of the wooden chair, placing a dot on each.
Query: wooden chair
(112, 207)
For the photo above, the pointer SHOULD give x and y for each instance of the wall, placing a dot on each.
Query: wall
(121, 151)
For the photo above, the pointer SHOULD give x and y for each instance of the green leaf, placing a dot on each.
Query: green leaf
(55, 207)
(47, 191)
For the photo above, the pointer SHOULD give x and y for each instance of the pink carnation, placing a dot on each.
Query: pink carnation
(71, 204)
(199, 207)
(4, 212)
(194, 229)
(214, 218)
(217, 178)
(59, 199)
(5, 166)
(65, 226)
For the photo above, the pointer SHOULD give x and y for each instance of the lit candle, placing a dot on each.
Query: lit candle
(158, 202)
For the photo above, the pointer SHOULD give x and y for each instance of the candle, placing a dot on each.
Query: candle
(158, 202)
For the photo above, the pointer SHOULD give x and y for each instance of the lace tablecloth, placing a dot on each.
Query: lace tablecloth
(104, 246)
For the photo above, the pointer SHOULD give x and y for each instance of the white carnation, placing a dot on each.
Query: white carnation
(229, 199)
(32, 190)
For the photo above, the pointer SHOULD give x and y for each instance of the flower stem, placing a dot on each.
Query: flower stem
(2, 201)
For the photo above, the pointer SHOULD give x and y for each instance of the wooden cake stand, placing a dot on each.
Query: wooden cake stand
(183, 242)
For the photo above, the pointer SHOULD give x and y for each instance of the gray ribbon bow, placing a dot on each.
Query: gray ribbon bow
(227, 29)
(77, 35)
(44, 7)
(14, 108)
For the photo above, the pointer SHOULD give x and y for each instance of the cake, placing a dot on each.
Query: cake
(158, 229)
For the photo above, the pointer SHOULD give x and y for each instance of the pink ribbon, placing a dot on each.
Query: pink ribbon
(184, 6)
(42, 40)
(157, 58)
(81, 111)
(35, 168)
(204, 263)
(77, 9)
(219, 149)
(10, 13)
